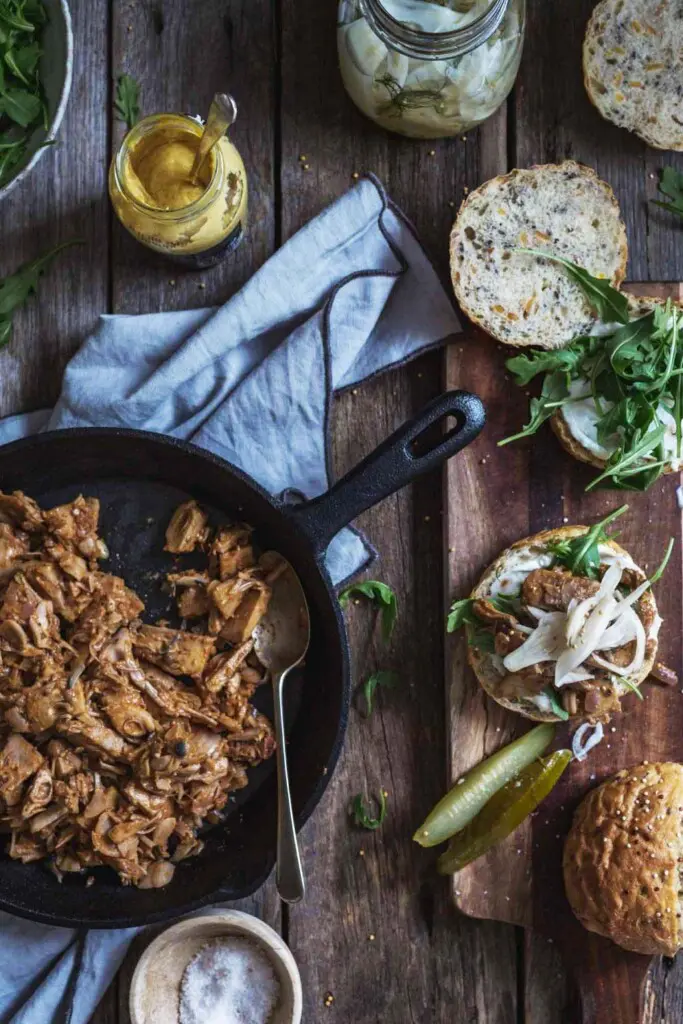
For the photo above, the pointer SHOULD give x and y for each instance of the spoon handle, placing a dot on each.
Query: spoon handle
(289, 874)
(222, 113)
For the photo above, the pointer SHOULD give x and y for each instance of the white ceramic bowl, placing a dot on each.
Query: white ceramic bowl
(155, 988)
(56, 68)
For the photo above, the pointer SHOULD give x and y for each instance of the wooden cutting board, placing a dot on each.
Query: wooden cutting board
(496, 496)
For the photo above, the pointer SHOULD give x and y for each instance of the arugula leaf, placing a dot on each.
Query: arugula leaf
(15, 289)
(22, 98)
(361, 812)
(610, 304)
(127, 100)
(631, 686)
(555, 704)
(527, 366)
(671, 185)
(581, 555)
(624, 464)
(385, 679)
(381, 595)
(460, 614)
(659, 571)
(554, 394)
(481, 638)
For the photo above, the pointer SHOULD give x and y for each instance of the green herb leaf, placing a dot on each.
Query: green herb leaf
(631, 686)
(527, 366)
(460, 614)
(555, 704)
(581, 555)
(384, 679)
(127, 100)
(481, 638)
(659, 571)
(625, 464)
(381, 595)
(22, 99)
(610, 304)
(554, 394)
(361, 812)
(15, 289)
(671, 185)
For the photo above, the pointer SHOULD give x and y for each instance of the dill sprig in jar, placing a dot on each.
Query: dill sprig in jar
(194, 223)
(429, 70)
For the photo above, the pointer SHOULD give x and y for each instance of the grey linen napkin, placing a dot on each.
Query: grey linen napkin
(352, 294)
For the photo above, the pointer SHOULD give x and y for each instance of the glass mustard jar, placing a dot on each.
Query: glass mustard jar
(429, 70)
(195, 224)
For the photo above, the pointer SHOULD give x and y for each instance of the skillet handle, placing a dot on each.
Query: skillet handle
(391, 466)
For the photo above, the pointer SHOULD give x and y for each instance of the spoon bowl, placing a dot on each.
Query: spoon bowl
(281, 640)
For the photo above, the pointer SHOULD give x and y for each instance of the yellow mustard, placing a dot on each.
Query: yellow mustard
(194, 223)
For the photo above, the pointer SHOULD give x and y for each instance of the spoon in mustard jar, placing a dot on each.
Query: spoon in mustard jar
(222, 114)
(281, 640)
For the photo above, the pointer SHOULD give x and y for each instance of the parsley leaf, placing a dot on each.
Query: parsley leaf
(381, 595)
(385, 679)
(16, 288)
(671, 185)
(610, 304)
(581, 555)
(361, 812)
(127, 100)
(554, 394)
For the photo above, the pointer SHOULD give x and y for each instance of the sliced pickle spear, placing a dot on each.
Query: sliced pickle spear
(504, 812)
(469, 795)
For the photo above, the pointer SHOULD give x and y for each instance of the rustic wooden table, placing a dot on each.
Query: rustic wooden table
(425, 964)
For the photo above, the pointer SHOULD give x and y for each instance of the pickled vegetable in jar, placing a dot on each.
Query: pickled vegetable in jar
(429, 70)
(193, 222)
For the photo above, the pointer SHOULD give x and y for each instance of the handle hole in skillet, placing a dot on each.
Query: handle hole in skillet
(434, 435)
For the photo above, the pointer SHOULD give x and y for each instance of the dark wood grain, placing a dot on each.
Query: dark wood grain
(63, 197)
(180, 61)
(565, 124)
(424, 961)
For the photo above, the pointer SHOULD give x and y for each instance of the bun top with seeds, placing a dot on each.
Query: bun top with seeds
(621, 859)
(521, 298)
(633, 67)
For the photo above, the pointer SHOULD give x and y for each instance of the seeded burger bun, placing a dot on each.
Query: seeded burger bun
(621, 859)
(561, 425)
(633, 67)
(506, 573)
(527, 300)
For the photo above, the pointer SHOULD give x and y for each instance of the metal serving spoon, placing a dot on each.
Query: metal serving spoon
(281, 641)
(222, 113)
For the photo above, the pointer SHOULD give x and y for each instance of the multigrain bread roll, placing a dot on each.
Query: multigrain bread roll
(530, 573)
(527, 300)
(633, 67)
(621, 859)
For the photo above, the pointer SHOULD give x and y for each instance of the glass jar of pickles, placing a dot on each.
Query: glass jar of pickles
(429, 70)
(194, 222)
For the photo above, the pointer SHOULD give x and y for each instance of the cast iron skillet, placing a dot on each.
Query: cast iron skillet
(140, 478)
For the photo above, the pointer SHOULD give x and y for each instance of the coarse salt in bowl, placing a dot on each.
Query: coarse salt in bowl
(215, 957)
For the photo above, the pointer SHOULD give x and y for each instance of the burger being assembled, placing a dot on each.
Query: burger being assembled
(562, 625)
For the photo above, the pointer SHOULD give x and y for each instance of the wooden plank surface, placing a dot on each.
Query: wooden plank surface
(536, 486)
(426, 963)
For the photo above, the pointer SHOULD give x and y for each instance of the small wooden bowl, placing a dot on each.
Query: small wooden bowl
(155, 988)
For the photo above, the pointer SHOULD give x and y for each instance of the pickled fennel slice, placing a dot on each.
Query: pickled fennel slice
(604, 621)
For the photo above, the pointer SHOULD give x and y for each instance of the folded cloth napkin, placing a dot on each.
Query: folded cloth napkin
(352, 294)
